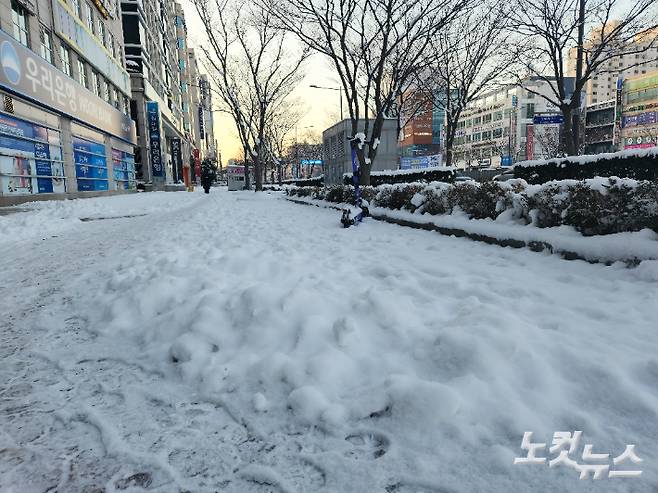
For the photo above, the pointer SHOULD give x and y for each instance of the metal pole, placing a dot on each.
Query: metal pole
(575, 121)
(340, 95)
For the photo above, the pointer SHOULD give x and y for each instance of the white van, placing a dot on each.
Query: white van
(235, 177)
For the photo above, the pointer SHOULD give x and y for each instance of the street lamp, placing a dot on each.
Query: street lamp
(340, 94)
(298, 165)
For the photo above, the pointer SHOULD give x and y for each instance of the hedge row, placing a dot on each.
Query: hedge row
(407, 176)
(593, 207)
(638, 166)
(316, 181)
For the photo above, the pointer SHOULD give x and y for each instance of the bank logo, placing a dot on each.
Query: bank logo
(11, 64)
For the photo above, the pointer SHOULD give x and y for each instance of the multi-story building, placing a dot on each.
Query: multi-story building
(508, 125)
(163, 86)
(422, 126)
(639, 117)
(64, 124)
(636, 58)
(337, 153)
(601, 134)
(207, 135)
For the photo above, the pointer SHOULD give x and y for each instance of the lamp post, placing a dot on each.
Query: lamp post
(298, 165)
(340, 94)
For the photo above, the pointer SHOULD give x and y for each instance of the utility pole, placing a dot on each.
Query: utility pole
(575, 120)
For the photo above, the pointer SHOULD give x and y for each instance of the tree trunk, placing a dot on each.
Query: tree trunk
(258, 174)
(569, 137)
(247, 181)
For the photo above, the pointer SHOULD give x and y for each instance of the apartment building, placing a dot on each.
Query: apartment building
(637, 58)
(65, 92)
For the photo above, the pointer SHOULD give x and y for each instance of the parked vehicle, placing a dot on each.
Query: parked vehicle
(508, 174)
(463, 178)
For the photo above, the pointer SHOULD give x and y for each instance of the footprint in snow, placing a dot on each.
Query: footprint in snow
(367, 445)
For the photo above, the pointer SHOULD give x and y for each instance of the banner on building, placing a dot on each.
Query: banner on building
(153, 121)
(202, 124)
(177, 156)
(421, 161)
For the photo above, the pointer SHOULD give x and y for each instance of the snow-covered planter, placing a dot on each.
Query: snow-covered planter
(593, 207)
(316, 181)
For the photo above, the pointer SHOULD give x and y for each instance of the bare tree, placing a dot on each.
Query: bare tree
(254, 68)
(549, 29)
(471, 57)
(375, 46)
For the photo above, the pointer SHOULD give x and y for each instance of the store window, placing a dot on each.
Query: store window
(46, 44)
(65, 55)
(90, 163)
(115, 97)
(31, 159)
(123, 169)
(19, 23)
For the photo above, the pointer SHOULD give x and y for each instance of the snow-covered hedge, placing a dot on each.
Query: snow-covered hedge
(438, 173)
(316, 181)
(593, 207)
(639, 164)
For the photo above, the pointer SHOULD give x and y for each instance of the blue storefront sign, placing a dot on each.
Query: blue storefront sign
(311, 162)
(506, 161)
(31, 158)
(421, 161)
(547, 119)
(153, 120)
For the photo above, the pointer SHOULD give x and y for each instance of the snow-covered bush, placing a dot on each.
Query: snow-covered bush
(593, 207)
(638, 164)
(390, 177)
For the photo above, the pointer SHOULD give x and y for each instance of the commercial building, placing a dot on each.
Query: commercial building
(165, 86)
(601, 133)
(337, 153)
(508, 125)
(639, 117)
(422, 121)
(64, 91)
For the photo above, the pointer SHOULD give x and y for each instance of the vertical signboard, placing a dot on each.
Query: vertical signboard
(176, 157)
(153, 120)
(530, 142)
(202, 124)
(197, 163)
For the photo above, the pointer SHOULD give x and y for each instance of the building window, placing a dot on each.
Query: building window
(46, 45)
(96, 83)
(115, 97)
(65, 55)
(530, 110)
(82, 74)
(89, 17)
(75, 6)
(19, 21)
(110, 44)
(106, 90)
(101, 30)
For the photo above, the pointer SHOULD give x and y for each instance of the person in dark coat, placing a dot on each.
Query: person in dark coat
(208, 174)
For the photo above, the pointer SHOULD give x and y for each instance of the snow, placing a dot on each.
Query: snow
(591, 158)
(239, 342)
(396, 172)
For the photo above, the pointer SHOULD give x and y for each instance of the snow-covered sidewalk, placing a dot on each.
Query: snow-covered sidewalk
(238, 342)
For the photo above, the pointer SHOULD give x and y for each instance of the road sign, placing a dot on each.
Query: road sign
(547, 119)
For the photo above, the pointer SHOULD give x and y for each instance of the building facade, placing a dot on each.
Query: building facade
(601, 132)
(508, 125)
(637, 58)
(423, 126)
(165, 86)
(337, 153)
(639, 117)
(65, 92)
